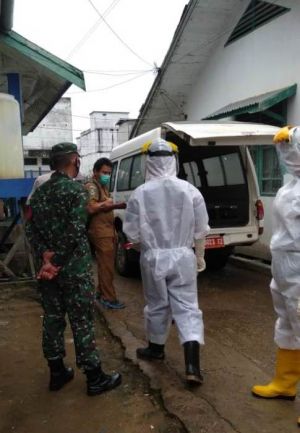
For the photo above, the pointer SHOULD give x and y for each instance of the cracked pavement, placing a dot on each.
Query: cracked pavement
(239, 352)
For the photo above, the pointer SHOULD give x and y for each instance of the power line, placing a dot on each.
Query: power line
(116, 73)
(88, 117)
(91, 30)
(114, 85)
(77, 130)
(117, 36)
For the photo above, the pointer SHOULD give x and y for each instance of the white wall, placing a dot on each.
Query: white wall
(56, 127)
(262, 61)
(124, 131)
(100, 139)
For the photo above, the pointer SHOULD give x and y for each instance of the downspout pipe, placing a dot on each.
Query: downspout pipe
(6, 15)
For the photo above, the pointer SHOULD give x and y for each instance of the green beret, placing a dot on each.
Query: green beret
(64, 149)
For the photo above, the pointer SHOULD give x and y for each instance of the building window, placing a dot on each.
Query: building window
(30, 161)
(268, 169)
(45, 161)
(256, 15)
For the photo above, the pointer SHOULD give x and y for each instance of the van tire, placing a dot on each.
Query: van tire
(126, 260)
(216, 259)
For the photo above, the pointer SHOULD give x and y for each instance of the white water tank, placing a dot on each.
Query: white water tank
(11, 148)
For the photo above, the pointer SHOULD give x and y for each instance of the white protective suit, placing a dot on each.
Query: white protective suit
(165, 215)
(285, 248)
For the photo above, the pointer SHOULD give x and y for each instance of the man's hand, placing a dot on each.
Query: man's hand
(200, 251)
(121, 205)
(47, 256)
(48, 272)
(107, 205)
(201, 265)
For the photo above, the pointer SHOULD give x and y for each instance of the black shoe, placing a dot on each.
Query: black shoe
(98, 381)
(59, 374)
(152, 352)
(192, 363)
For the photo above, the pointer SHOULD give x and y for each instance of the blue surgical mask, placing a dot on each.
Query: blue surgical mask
(104, 179)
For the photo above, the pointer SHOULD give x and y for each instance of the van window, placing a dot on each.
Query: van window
(124, 174)
(233, 169)
(137, 176)
(218, 172)
(213, 171)
(191, 173)
(113, 177)
(224, 170)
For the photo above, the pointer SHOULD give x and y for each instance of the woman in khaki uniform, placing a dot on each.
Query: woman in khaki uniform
(101, 231)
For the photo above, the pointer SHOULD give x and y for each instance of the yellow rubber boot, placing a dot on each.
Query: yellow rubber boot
(287, 375)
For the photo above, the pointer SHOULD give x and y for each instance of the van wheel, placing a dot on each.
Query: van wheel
(216, 259)
(126, 261)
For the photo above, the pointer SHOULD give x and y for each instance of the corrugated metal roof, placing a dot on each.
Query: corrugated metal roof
(193, 42)
(44, 77)
(42, 57)
(254, 104)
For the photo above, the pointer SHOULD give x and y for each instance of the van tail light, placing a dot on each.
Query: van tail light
(260, 215)
(259, 210)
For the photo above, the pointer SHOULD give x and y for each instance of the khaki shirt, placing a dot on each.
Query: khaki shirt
(101, 223)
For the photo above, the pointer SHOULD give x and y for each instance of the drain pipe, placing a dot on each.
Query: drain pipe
(6, 15)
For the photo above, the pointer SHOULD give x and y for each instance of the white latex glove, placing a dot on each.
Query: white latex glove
(199, 251)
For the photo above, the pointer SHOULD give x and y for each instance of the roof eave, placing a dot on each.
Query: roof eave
(187, 11)
(45, 59)
(25, 131)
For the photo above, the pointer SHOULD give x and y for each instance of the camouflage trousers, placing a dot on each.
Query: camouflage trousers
(73, 297)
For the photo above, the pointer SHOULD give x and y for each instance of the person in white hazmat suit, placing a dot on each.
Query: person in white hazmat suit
(165, 216)
(285, 285)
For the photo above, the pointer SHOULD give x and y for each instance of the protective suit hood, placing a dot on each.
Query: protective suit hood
(160, 160)
(289, 152)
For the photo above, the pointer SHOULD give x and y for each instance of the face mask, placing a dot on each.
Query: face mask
(104, 179)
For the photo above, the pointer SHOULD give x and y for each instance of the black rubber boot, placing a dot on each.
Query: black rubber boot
(152, 352)
(98, 381)
(59, 374)
(192, 363)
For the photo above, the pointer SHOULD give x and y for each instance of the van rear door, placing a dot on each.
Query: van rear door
(209, 133)
(210, 158)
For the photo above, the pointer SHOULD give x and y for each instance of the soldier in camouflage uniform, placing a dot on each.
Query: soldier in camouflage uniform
(57, 233)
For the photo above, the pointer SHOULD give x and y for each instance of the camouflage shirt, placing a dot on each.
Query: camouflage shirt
(58, 224)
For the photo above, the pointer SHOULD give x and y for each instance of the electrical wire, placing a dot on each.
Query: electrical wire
(91, 30)
(116, 74)
(113, 85)
(117, 36)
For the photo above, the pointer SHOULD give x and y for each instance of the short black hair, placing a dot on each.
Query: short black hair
(59, 162)
(101, 162)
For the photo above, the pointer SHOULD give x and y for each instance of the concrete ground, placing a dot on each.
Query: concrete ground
(26, 405)
(238, 353)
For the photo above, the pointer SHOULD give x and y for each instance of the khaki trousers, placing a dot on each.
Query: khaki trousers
(105, 255)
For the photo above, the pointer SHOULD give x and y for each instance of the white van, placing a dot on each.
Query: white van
(215, 158)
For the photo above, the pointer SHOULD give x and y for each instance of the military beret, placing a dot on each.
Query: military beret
(64, 149)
